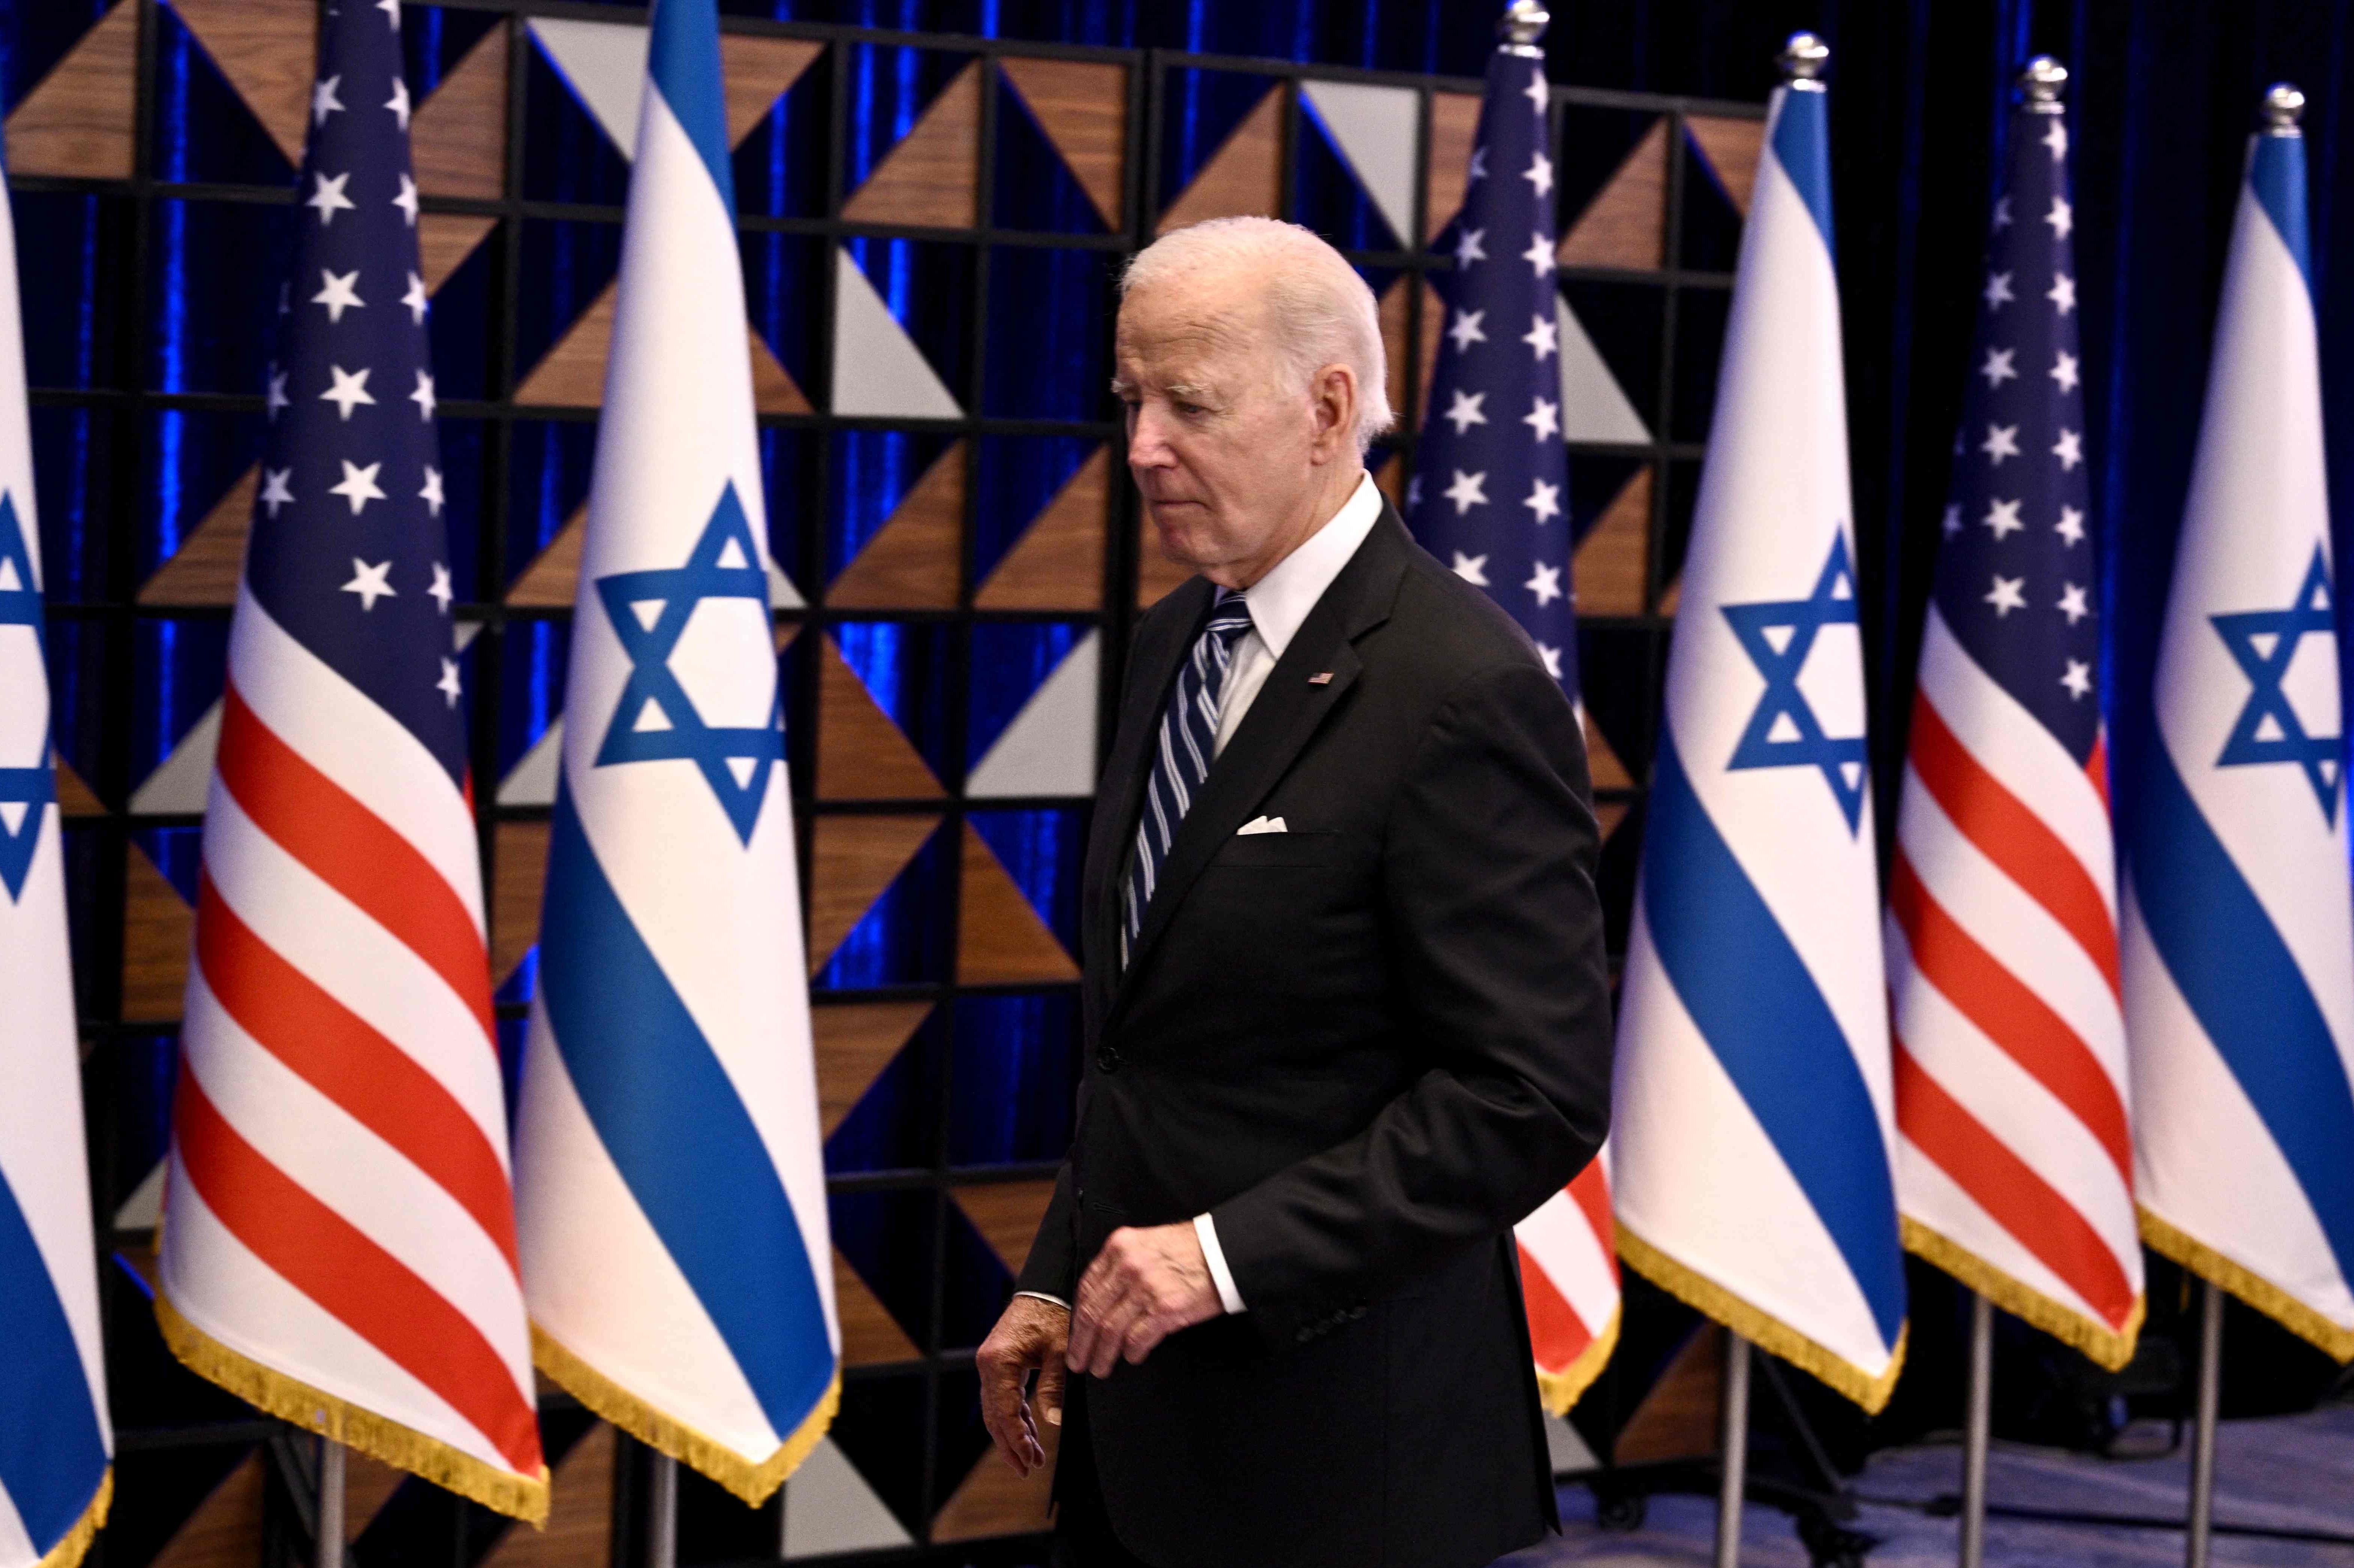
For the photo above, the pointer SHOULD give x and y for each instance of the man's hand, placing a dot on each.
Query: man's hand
(1029, 1336)
(1143, 1287)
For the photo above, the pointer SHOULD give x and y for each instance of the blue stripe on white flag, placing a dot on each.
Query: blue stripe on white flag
(2276, 177)
(682, 65)
(52, 1451)
(1758, 1007)
(669, 1116)
(1802, 145)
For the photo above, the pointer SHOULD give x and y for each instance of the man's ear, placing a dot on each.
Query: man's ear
(1333, 409)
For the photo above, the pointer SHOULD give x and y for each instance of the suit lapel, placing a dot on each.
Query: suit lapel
(1286, 712)
(1126, 773)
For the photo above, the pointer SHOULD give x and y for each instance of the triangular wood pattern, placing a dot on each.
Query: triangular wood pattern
(1454, 127)
(1001, 940)
(458, 136)
(571, 375)
(1731, 148)
(991, 1500)
(224, 1528)
(1390, 479)
(1602, 763)
(444, 240)
(851, 861)
(911, 563)
(1609, 569)
(1394, 336)
(932, 179)
(861, 753)
(1083, 109)
(1244, 178)
(774, 390)
(1006, 1213)
(853, 1043)
(1156, 575)
(157, 926)
(210, 559)
(519, 876)
(870, 1335)
(1626, 224)
(1607, 816)
(1677, 1419)
(758, 71)
(269, 51)
(553, 575)
(81, 119)
(1058, 562)
(580, 1511)
(368, 1485)
(76, 799)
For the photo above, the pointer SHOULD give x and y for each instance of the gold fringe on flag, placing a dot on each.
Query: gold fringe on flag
(2258, 1292)
(362, 1431)
(1706, 1296)
(1562, 1389)
(70, 1548)
(697, 1451)
(2108, 1347)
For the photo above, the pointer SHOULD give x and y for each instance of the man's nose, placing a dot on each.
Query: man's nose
(1148, 441)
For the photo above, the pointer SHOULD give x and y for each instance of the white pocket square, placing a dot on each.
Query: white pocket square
(1262, 825)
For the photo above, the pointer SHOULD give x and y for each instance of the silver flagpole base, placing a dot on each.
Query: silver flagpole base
(329, 1538)
(1732, 1450)
(1977, 1422)
(2203, 1442)
(661, 1514)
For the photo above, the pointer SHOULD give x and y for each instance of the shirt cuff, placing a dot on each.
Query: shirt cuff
(1042, 1296)
(1206, 1232)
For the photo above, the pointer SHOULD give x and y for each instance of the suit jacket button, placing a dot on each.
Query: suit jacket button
(1305, 1334)
(1108, 1059)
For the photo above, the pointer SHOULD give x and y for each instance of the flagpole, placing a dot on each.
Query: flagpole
(1733, 1449)
(1977, 1422)
(662, 1507)
(2202, 1441)
(330, 1534)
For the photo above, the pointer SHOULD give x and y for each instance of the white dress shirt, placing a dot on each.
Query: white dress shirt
(1279, 602)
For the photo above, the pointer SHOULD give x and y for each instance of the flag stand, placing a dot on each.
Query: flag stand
(330, 1532)
(1732, 1450)
(2202, 1441)
(1977, 1422)
(661, 1508)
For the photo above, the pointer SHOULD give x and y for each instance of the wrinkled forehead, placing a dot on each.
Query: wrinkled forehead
(1192, 328)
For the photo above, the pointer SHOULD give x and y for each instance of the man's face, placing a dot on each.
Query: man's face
(1221, 443)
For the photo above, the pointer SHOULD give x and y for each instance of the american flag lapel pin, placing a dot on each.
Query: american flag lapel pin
(1321, 678)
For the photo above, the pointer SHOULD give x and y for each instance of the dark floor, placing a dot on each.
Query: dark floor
(2294, 1473)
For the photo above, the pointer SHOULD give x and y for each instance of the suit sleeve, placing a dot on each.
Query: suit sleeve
(1052, 1267)
(1489, 889)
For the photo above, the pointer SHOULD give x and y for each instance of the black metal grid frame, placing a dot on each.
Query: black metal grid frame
(99, 938)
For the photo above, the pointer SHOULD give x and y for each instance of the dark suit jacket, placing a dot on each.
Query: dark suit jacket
(1366, 1046)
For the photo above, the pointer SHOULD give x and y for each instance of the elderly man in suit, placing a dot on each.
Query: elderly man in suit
(1347, 1018)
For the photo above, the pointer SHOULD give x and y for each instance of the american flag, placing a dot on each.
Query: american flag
(2016, 1156)
(1488, 498)
(340, 1239)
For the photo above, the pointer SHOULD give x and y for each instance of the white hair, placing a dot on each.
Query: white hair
(1323, 313)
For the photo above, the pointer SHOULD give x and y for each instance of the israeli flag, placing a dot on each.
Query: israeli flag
(56, 1446)
(2238, 920)
(669, 1183)
(1752, 1134)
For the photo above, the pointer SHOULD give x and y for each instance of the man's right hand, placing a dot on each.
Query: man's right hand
(1031, 1336)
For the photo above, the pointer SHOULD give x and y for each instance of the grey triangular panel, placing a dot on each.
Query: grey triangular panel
(1593, 408)
(605, 65)
(180, 783)
(829, 1508)
(782, 595)
(1374, 127)
(1050, 747)
(531, 780)
(144, 1210)
(877, 368)
(1569, 1452)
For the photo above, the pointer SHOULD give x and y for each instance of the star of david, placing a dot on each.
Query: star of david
(31, 789)
(2262, 643)
(1784, 732)
(656, 720)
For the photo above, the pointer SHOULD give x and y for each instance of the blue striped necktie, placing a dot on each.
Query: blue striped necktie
(1188, 743)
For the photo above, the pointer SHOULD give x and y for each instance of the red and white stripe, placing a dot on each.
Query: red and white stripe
(1569, 1279)
(340, 1209)
(2015, 1159)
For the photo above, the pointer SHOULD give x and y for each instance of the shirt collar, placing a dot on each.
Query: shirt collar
(1280, 600)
